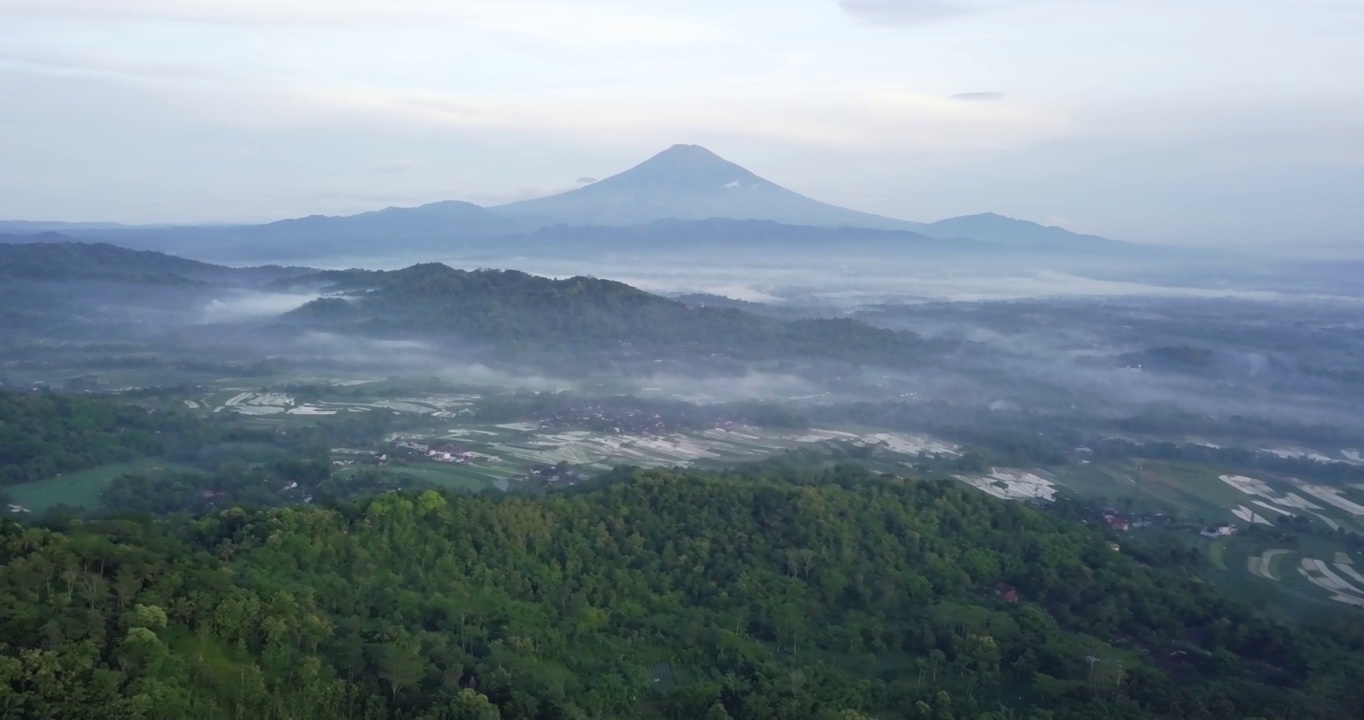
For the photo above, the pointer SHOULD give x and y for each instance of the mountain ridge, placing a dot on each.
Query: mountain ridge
(649, 202)
(1002, 230)
(441, 217)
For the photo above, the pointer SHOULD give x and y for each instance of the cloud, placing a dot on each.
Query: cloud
(586, 180)
(857, 116)
(584, 24)
(251, 305)
(396, 167)
(903, 12)
(254, 12)
(979, 96)
(81, 65)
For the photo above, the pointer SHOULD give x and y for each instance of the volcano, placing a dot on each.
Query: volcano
(688, 182)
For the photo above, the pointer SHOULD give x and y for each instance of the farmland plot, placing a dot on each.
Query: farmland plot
(1012, 485)
(1331, 496)
(1321, 575)
(1263, 564)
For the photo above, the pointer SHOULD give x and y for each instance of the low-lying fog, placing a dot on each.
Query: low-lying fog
(848, 281)
(1100, 339)
(247, 304)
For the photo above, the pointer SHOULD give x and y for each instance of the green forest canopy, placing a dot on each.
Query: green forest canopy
(770, 594)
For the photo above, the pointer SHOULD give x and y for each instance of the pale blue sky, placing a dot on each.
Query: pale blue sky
(1208, 121)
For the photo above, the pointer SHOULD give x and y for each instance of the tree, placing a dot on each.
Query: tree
(141, 651)
(399, 663)
(146, 616)
(467, 705)
(717, 712)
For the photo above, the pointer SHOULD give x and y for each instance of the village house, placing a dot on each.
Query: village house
(1117, 523)
(1008, 593)
(1218, 531)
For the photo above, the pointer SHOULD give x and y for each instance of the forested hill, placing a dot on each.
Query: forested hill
(52, 256)
(827, 594)
(511, 309)
(64, 260)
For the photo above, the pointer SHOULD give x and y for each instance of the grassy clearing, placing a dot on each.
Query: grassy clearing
(1187, 491)
(82, 489)
(1217, 551)
(457, 477)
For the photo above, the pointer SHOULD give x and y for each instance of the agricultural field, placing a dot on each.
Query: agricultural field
(1288, 552)
(470, 477)
(82, 489)
(1293, 452)
(249, 402)
(1210, 495)
(523, 443)
(1008, 484)
(1293, 575)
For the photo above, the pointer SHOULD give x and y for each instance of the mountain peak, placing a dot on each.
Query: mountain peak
(688, 151)
(685, 167)
(686, 182)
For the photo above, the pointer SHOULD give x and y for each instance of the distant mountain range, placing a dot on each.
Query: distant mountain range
(684, 196)
(451, 218)
(722, 234)
(1000, 230)
(30, 227)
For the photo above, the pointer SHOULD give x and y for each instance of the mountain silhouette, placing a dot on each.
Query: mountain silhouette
(688, 182)
(449, 217)
(685, 196)
(1001, 230)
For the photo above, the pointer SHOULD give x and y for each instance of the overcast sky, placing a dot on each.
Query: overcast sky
(1208, 121)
